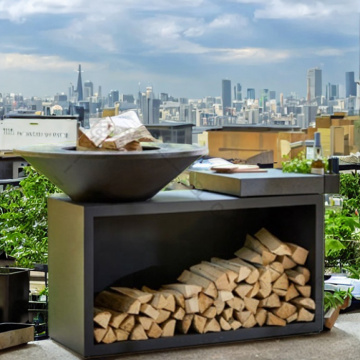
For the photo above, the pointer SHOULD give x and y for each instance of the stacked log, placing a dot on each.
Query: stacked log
(266, 283)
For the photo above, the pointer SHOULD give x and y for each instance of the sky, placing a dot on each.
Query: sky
(183, 48)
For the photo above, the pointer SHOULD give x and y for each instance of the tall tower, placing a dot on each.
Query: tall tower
(314, 84)
(79, 88)
(226, 95)
(350, 84)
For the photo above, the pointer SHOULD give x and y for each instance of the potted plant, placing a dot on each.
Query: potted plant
(333, 303)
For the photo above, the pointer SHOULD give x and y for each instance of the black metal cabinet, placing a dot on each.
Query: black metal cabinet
(92, 246)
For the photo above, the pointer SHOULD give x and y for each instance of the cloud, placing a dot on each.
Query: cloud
(30, 62)
(250, 56)
(308, 9)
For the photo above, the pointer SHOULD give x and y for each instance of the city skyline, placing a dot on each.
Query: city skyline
(185, 49)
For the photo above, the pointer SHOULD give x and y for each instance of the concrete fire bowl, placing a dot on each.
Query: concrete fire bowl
(111, 176)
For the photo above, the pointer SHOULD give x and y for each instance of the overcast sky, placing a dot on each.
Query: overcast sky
(184, 47)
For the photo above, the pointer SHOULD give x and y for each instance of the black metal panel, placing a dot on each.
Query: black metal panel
(150, 243)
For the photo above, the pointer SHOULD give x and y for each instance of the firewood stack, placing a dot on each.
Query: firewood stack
(265, 284)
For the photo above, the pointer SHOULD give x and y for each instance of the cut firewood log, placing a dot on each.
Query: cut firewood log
(116, 317)
(231, 275)
(242, 316)
(128, 324)
(136, 294)
(292, 318)
(282, 282)
(192, 305)
(249, 255)
(179, 297)
(254, 244)
(145, 321)
(304, 271)
(274, 320)
(286, 262)
(236, 303)
(155, 331)
(307, 303)
(210, 312)
(117, 302)
(305, 290)
(214, 274)
(275, 245)
(212, 325)
(254, 274)
(184, 325)
(265, 279)
(244, 289)
(101, 317)
(204, 302)
(99, 334)
(298, 253)
(251, 304)
(291, 292)
(260, 316)
(264, 290)
(170, 301)
(224, 324)
(227, 314)
(168, 328)
(110, 336)
(208, 287)
(235, 324)
(187, 290)
(276, 269)
(150, 311)
(163, 316)
(271, 301)
(199, 323)
(138, 333)
(285, 310)
(246, 318)
(296, 277)
(158, 301)
(219, 305)
(179, 313)
(225, 295)
(280, 292)
(305, 315)
(121, 335)
(242, 271)
(250, 322)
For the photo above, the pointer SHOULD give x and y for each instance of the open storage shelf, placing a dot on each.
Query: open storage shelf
(93, 246)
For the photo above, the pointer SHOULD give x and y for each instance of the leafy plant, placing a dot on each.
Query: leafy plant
(23, 219)
(298, 164)
(336, 298)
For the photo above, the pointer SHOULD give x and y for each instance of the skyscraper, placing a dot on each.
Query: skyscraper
(79, 89)
(88, 89)
(251, 94)
(350, 84)
(226, 95)
(314, 85)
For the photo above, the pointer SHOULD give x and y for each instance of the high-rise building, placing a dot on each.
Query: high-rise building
(272, 95)
(88, 89)
(250, 93)
(113, 97)
(332, 92)
(237, 92)
(150, 107)
(314, 85)
(350, 84)
(79, 89)
(226, 95)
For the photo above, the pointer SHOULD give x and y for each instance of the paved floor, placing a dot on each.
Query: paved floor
(342, 342)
